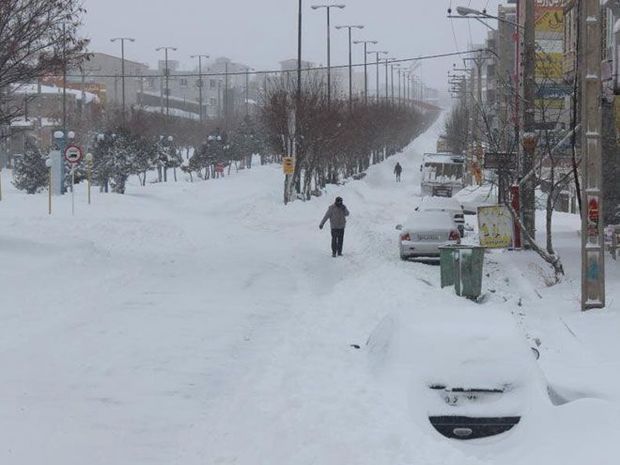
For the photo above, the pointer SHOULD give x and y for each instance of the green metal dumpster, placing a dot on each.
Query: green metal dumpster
(461, 266)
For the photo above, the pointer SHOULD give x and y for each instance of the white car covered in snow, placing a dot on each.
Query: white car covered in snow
(424, 232)
(467, 375)
(444, 204)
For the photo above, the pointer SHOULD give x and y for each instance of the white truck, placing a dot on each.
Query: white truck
(442, 174)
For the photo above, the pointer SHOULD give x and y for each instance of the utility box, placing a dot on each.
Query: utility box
(461, 267)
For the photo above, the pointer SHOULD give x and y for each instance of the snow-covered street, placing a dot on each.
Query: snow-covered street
(207, 323)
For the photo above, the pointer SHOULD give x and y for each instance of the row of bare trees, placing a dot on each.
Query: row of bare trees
(334, 140)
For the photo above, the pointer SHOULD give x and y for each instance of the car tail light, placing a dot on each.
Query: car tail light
(455, 236)
(405, 237)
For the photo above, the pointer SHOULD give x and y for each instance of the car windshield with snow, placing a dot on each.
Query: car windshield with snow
(444, 204)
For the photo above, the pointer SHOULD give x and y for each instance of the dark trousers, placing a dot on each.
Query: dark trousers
(397, 177)
(337, 238)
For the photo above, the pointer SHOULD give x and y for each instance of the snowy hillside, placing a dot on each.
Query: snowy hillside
(207, 323)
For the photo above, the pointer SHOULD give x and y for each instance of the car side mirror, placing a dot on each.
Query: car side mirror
(399, 227)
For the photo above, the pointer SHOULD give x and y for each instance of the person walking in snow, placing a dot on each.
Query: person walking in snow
(397, 170)
(337, 216)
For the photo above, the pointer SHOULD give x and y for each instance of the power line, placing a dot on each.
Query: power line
(279, 71)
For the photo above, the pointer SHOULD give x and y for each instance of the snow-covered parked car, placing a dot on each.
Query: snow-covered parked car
(464, 374)
(424, 232)
(444, 204)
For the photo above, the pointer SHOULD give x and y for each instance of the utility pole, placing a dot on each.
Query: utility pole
(63, 144)
(392, 81)
(122, 41)
(528, 149)
(166, 76)
(387, 81)
(247, 91)
(329, 67)
(200, 84)
(349, 27)
(400, 101)
(592, 237)
(299, 24)
(366, 42)
(226, 103)
(377, 62)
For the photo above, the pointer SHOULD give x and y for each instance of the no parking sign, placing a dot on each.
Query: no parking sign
(73, 154)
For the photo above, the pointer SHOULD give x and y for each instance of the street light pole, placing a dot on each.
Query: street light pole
(329, 71)
(122, 41)
(200, 83)
(366, 42)
(349, 27)
(167, 76)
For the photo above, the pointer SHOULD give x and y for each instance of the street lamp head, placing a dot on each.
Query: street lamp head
(464, 11)
(116, 39)
(356, 26)
(339, 5)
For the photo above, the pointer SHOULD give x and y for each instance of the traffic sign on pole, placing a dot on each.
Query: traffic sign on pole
(288, 165)
(73, 154)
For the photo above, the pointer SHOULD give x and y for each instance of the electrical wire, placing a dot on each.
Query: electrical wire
(279, 71)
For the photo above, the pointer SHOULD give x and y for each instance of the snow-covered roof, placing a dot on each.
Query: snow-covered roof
(440, 202)
(172, 98)
(443, 158)
(173, 112)
(21, 123)
(32, 89)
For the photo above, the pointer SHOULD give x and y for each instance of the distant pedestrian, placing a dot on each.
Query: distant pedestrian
(337, 216)
(397, 170)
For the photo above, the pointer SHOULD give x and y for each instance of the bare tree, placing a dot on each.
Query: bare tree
(37, 38)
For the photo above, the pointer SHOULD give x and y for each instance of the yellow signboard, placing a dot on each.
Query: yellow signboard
(496, 227)
(288, 165)
(549, 65)
(549, 20)
(544, 104)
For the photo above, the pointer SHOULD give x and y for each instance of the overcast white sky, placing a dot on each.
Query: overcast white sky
(260, 33)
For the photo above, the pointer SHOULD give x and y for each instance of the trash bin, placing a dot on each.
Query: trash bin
(446, 265)
(461, 266)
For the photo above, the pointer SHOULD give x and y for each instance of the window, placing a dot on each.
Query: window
(213, 101)
(183, 82)
(212, 83)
